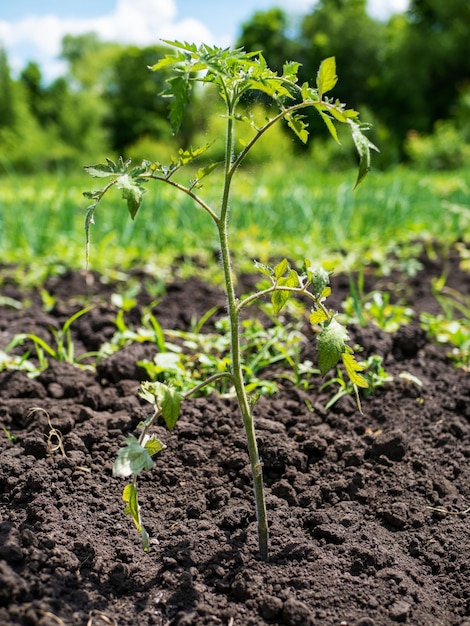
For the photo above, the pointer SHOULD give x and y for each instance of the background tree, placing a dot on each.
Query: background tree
(49, 125)
(268, 31)
(343, 29)
(31, 78)
(339, 28)
(90, 60)
(408, 76)
(133, 95)
(7, 113)
(432, 64)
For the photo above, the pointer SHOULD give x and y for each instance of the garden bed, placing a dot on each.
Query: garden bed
(368, 512)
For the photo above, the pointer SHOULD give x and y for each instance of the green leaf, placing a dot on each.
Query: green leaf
(338, 114)
(363, 147)
(103, 170)
(290, 70)
(299, 127)
(186, 156)
(350, 113)
(352, 368)
(127, 181)
(317, 317)
(281, 268)
(167, 61)
(187, 47)
(133, 197)
(206, 170)
(143, 168)
(130, 497)
(264, 269)
(132, 458)
(146, 392)
(145, 540)
(329, 123)
(326, 76)
(309, 94)
(166, 399)
(38, 341)
(99, 171)
(69, 321)
(171, 404)
(97, 194)
(279, 299)
(319, 279)
(154, 445)
(179, 90)
(121, 165)
(132, 192)
(280, 296)
(331, 345)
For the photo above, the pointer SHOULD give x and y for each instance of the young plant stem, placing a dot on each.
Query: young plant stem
(244, 405)
(237, 371)
(206, 382)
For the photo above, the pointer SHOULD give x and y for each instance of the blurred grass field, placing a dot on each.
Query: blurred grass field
(302, 214)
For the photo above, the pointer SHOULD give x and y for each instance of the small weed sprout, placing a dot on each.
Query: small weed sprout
(11, 438)
(374, 373)
(64, 349)
(452, 326)
(234, 73)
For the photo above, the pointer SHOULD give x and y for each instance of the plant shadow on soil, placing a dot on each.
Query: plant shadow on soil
(367, 512)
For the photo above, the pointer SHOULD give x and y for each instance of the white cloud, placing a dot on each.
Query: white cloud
(142, 22)
(296, 6)
(382, 9)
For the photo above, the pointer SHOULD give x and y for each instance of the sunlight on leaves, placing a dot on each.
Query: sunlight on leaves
(326, 77)
(331, 345)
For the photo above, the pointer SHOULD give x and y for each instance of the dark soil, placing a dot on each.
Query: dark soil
(369, 513)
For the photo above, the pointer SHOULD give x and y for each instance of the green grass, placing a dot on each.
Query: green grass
(316, 215)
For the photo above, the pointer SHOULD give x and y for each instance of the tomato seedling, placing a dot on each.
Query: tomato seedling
(234, 73)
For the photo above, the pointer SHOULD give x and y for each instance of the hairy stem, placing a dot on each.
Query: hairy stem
(299, 291)
(245, 409)
(237, 372)
(187, 190)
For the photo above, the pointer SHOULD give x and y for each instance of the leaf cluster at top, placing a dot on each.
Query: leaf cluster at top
(237, 72)
(233, 70)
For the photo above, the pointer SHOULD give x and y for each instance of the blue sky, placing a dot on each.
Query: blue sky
(32, 30)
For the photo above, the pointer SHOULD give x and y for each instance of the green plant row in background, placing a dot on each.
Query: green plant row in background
(41, 219)
(280, 344)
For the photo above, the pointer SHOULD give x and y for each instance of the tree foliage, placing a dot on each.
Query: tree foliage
(7, 112)
(411, 71)
(343, 28)
(50, 125)
(436, 41)
(268, 31)
(132, 94)
(391, 68)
